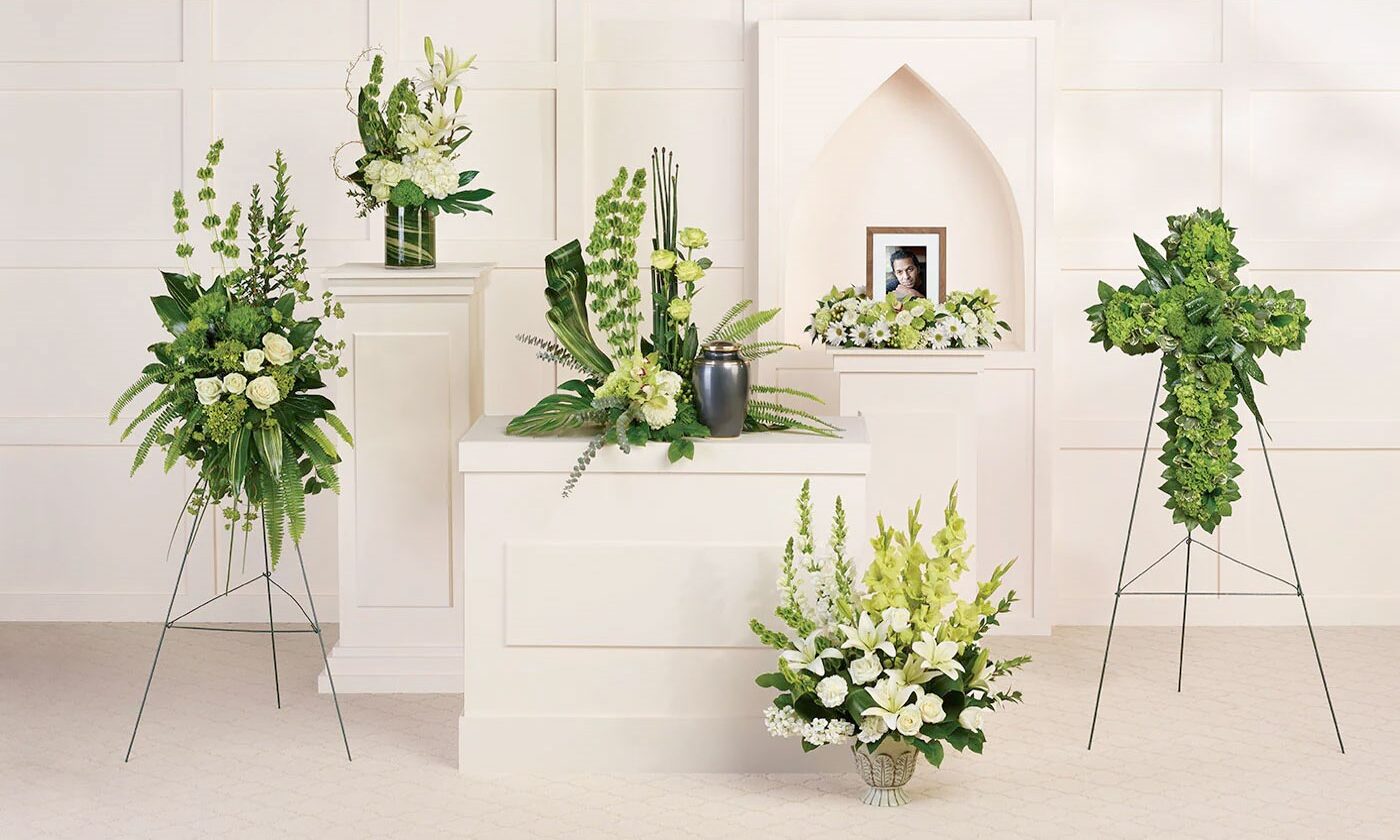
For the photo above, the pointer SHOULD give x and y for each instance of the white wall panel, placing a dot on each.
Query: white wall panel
(521, 30)
(88, 164)
(513, 148)
(90, 30)
(1140, 30)
(1345, 31)
(664, 30)
(1126, 159)
(274, 30)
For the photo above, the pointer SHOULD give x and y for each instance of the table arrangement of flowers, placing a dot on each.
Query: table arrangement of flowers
(847, 318)
(410, 143)
(239, 371)
(639, 389)
(891, 665)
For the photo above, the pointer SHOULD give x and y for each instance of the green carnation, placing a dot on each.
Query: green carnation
(909, 338)
(679, 310)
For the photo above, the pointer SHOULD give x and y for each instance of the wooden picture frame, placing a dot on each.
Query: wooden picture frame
(880, 240)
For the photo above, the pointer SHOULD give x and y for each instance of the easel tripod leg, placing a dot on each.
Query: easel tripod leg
(311, 602)
(271, 629)
(1185, 598)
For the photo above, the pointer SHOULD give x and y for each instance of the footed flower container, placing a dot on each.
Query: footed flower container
(886, 771)
(410, 237)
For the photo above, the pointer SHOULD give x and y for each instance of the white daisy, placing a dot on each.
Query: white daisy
(860, 335)
(880, 332)
(936, 338)
(954, 328)
(834, 335)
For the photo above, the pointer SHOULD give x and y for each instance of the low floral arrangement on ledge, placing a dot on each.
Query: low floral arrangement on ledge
(847, 318)
(639, 390)
(895, 660)
(238, 372)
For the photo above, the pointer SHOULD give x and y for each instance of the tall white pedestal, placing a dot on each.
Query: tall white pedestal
(610, 630)
(414, 388)
(920, 410)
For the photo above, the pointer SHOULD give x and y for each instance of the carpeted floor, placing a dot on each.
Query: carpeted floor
(1245, 751)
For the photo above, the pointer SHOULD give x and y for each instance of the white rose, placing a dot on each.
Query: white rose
(865, 669)
(234, 383)
(972, 718)
(392, 173)
(897, 618)
(872, 729)
(909, 720)
(263, 393)
(931, 708)
(277, 349)
(253, 360)
(832, 691)
(208, 389)
(904, 318)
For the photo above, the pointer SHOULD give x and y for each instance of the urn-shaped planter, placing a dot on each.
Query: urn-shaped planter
(410, 237)
(886, 771)
(721, 380)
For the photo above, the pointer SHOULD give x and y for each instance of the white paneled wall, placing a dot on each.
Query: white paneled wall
(1287, 112)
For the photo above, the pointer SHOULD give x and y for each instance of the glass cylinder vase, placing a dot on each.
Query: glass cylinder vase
(410, 237)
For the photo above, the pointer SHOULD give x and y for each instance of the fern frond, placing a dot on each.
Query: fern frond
(589, 453)
(163, 420)
(273, 514)
(776, 417)
(328, 477)
(746, 326)
(339, 425)
(293, 495)
(165, 397)
(553, 352)
(146, 380)
(760, 349)
(182, 437)
(312, 433)
(791, 392)
(729, 315)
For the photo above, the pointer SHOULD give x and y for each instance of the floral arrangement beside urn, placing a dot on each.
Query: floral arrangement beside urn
(410, 143)
(891, 666)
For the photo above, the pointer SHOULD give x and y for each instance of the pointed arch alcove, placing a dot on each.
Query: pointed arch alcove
(917, 123)
(905, 157)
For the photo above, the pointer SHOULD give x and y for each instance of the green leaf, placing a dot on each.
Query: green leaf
(1155, 262)
(141, 384)
(238, 458)
(302, 333)
(566, 290)
(171, 315)
(1105, 292)
(932, 750)
(466, 177)
(182, 289)
(683, 448)
(269, 437)
(773, 680)
(555, 413)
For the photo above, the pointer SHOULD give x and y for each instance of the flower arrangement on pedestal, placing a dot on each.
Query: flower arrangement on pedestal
(892, 666)
(639, 389)
(238, 374)
(847, 318)
(410, 143)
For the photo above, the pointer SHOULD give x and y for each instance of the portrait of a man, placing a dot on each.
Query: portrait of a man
(907, 262)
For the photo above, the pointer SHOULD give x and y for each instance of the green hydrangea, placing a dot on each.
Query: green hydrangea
(284, 377)
(247, 324)
(224, 417)
(228, 354)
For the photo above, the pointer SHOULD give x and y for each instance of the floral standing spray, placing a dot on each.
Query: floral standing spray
(410, 143)
(638, 390)
(846, 318)
(239, 372)
(896, 657)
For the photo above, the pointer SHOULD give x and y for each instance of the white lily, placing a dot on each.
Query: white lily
(938, 656)
(982, 680)
(868, 636)
(890, 696)
(806, 656)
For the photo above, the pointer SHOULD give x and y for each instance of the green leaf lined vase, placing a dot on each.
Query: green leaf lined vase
(410, 237)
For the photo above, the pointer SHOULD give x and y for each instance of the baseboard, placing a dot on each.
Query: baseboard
(394, 670)
(1225, 611)
(243, 606)
(636, 745)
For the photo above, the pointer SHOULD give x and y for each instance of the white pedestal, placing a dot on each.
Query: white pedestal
(609, 630)
(414, 352)
(920, 410)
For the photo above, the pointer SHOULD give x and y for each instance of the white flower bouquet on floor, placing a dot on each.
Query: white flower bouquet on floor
(847, 318)
(898, 655)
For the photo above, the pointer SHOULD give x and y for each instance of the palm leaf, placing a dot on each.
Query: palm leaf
(566, 289)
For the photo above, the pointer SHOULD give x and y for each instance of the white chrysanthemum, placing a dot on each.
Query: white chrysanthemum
(834, 335)
(432, 172)
(659, 411)
(860, 335)
(782, 723)
(849, 315)
(880, 332)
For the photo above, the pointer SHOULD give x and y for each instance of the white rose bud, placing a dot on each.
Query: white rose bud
(262, 392)
(253, 360)
(208, 389)
(277, 349)
(234, 383)
(898, 618)
(865, 669)
(931, 708)
(831, 691)
(972, 718)
(909, 720)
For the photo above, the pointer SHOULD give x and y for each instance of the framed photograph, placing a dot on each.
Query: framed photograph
(908, 261)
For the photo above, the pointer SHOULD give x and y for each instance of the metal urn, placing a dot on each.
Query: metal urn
(721, 379)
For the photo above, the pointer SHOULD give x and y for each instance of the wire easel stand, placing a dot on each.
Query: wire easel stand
(1294, 587)
(177, 623)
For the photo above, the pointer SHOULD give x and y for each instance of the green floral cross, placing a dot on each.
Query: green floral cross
(1210, 329)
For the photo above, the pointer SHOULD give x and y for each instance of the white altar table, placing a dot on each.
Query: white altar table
(609, 630)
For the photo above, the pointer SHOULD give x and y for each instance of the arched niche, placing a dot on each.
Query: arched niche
(905, 157)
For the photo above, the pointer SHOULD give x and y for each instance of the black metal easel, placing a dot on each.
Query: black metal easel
(1295, 587)
(197, 517)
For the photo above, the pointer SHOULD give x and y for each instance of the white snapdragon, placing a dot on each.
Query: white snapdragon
(782, 723)
(822, 731)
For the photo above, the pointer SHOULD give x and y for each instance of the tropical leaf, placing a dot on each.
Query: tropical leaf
(273, 513)
(269, 438)
(183, 290)
(238, 444)
(556, 413)
(566, 290)
(146, 380)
